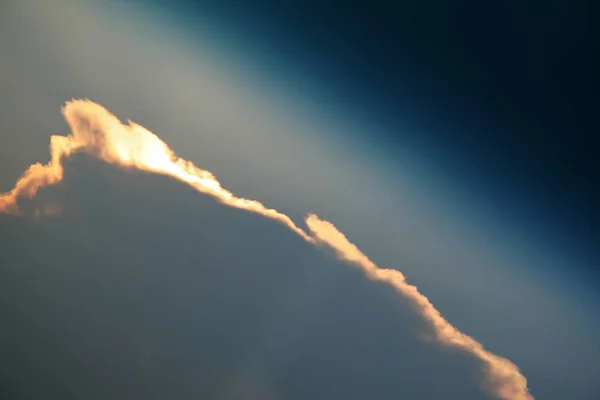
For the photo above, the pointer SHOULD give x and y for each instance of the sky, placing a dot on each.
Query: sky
(431, 161)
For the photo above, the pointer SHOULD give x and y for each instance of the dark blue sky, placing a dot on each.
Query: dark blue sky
(501, 97)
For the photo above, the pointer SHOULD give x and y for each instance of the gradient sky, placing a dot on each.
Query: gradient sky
(420, 132)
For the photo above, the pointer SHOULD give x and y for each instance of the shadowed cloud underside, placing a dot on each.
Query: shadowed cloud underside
(97, 132)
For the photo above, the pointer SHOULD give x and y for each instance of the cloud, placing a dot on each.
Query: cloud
(141, 288)
(97, 132)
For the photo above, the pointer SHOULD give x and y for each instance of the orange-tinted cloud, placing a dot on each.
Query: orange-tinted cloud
(97, 132)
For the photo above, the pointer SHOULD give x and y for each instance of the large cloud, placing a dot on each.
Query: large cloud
(97, 132)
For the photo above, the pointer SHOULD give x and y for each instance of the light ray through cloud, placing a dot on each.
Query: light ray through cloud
(98, 132)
